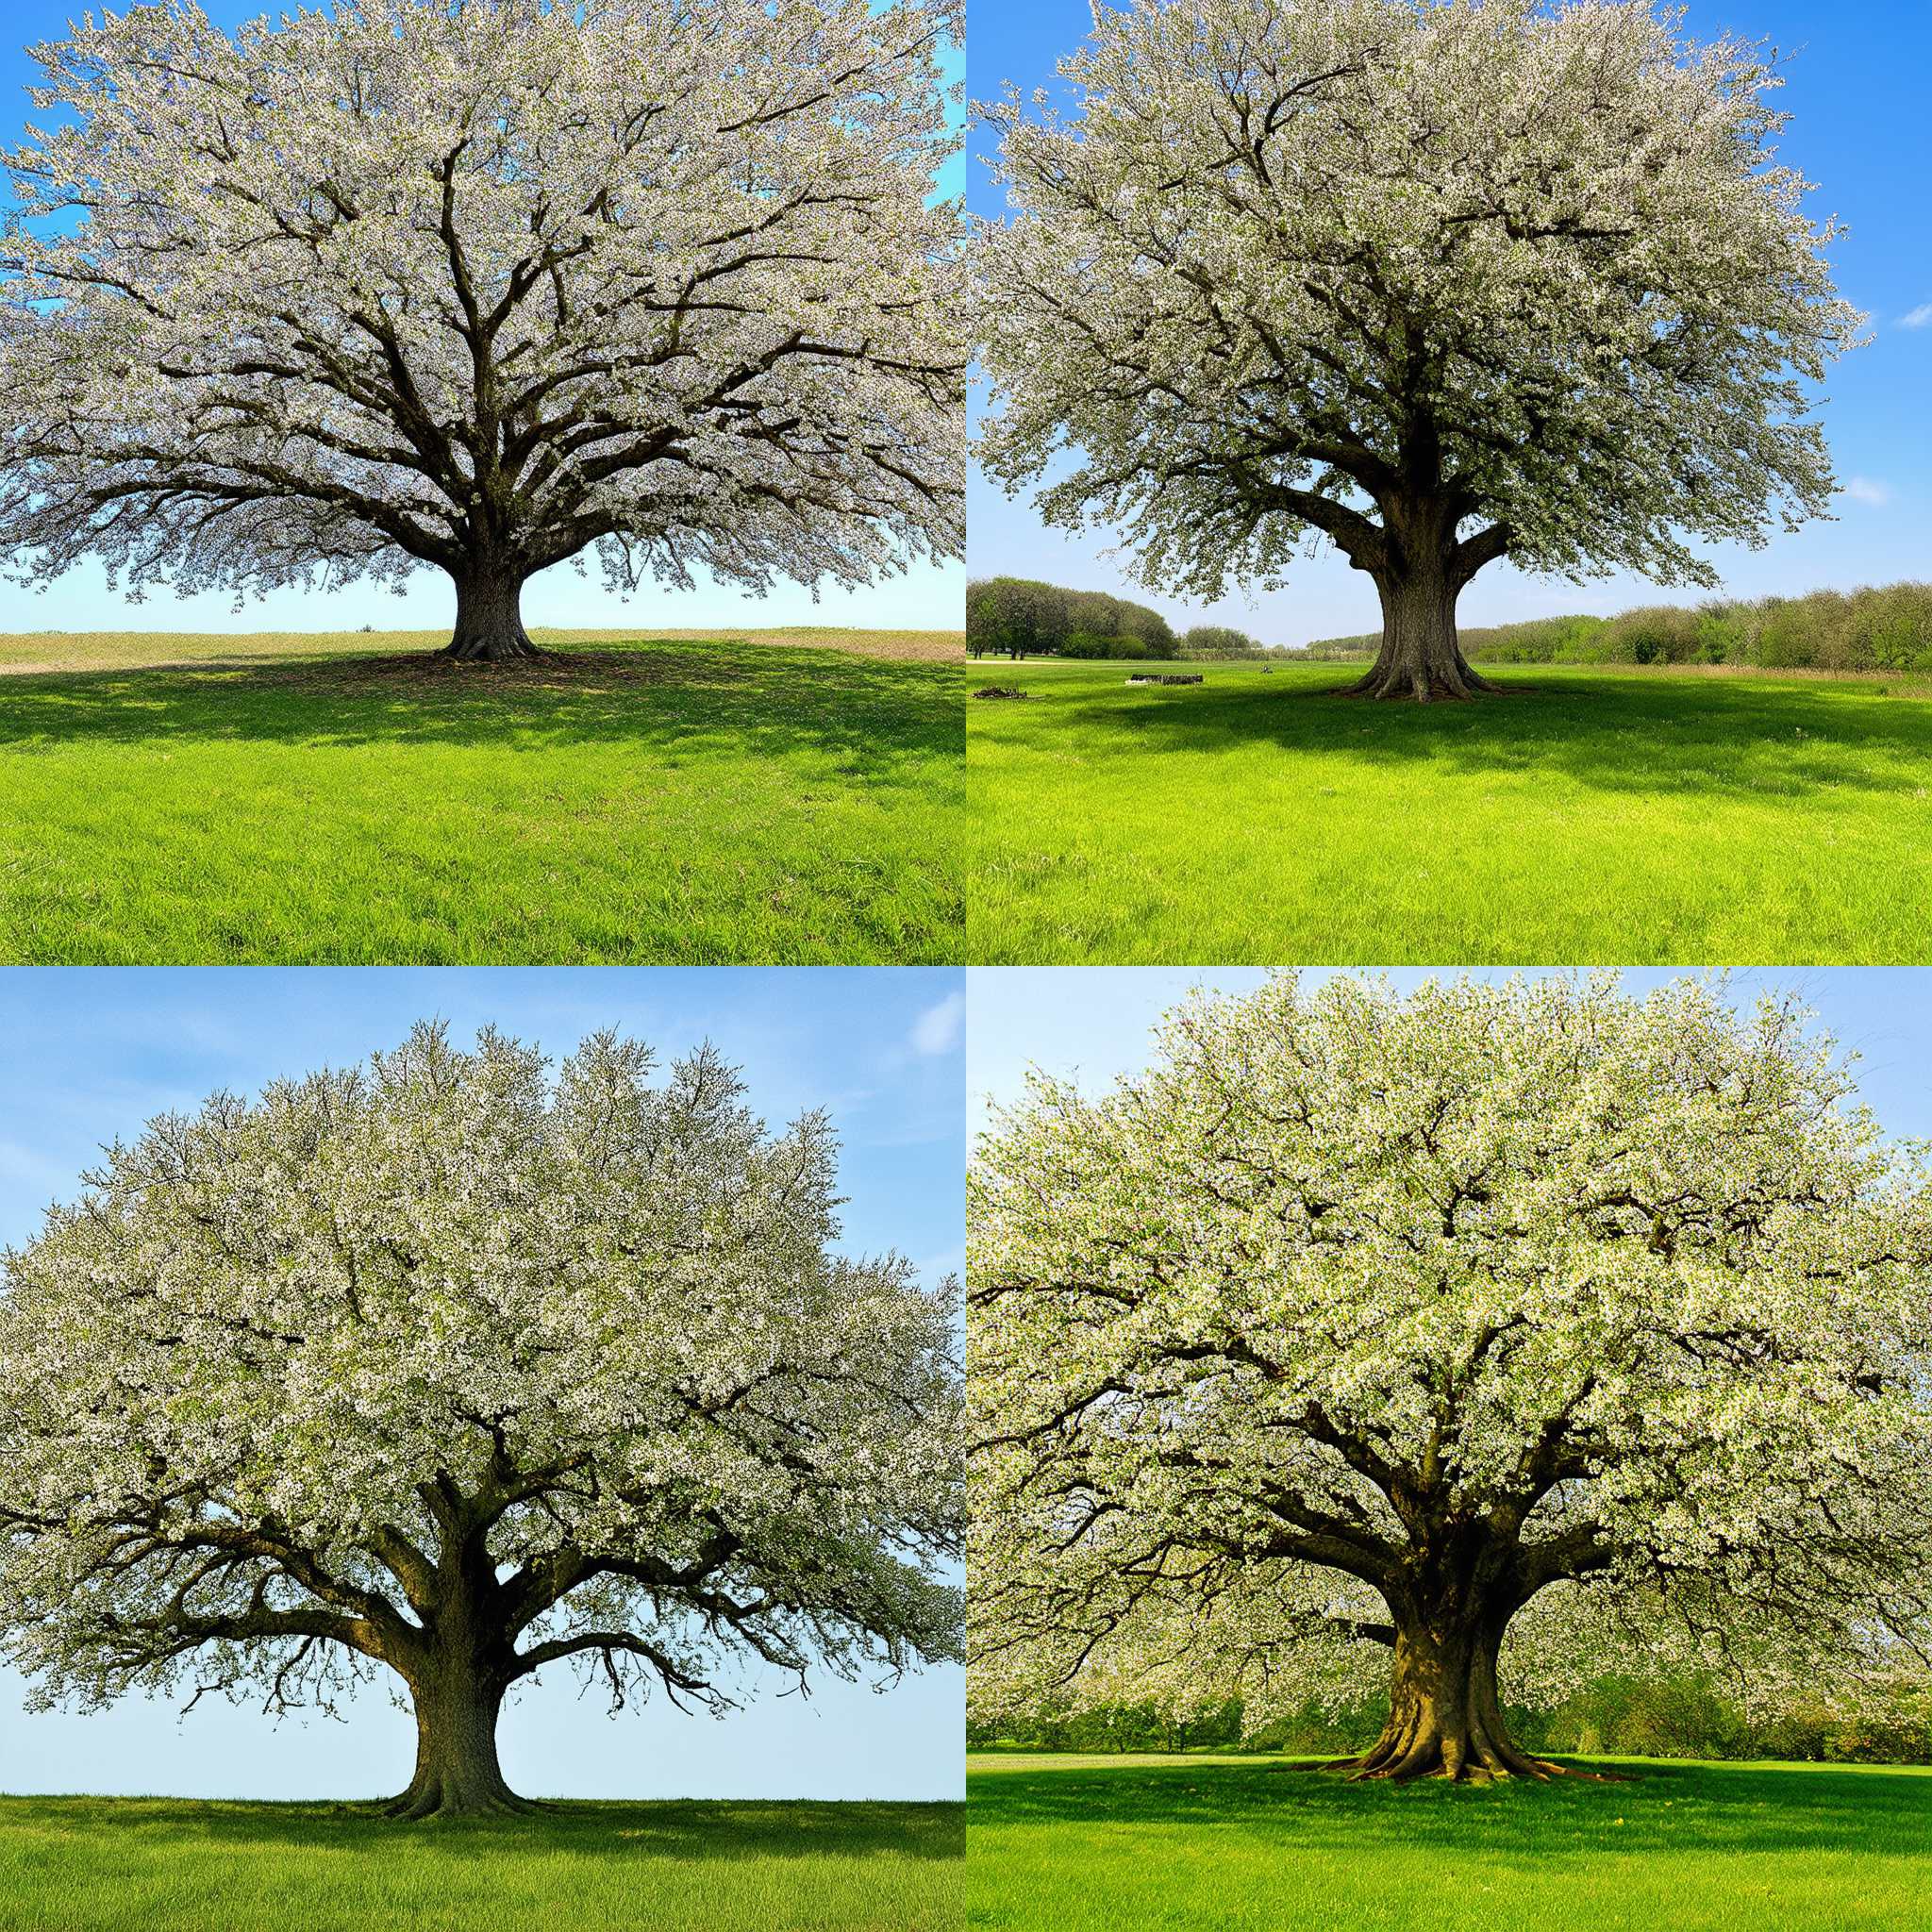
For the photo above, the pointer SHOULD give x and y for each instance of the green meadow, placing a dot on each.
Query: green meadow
(1649, 816)
(170, 1865)
(759, 797)
(1264, 1844)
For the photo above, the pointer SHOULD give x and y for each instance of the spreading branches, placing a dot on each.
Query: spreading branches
(480, 288)
(465, 1369)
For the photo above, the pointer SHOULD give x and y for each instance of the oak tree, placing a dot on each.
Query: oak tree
(480, 286)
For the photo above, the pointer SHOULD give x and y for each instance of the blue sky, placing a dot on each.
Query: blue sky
(1093, 1023)
(1856, 91)
(89, 1055)
(927, 596)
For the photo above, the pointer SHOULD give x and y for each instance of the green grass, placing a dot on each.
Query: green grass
(312, 800)
(1248, 1844)
(1641, 816)
(168, 1865)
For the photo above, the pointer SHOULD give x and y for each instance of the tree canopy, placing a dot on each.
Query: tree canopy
(1437, 281)
(480, 286)
(453, 1368)
(1499, 1333)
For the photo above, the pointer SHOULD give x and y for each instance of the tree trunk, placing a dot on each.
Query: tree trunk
(1419, 656)
(1446, 1718)
(490, 625)
(457, 1774)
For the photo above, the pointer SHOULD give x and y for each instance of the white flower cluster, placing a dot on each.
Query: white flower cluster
(445, 1352)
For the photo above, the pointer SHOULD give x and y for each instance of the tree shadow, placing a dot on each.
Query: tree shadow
(1653, 733)
(876, 717)
(679, 1830)
(1656, 1806)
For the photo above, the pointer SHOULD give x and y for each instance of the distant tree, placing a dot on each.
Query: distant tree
(479, 285)
(453, 1368)
(1364, 1333)
(1442, 281)
(1014, 615)
(1100, 614)
(1218, 640)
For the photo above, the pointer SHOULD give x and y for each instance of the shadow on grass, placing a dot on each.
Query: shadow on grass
(1657, 1806)
(872, 715)
(1656, 735)
(678, 1829)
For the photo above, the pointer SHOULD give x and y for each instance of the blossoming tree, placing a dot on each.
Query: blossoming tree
(447, 1367)
(480, 286)
(1452, 1342)
(1440, 283)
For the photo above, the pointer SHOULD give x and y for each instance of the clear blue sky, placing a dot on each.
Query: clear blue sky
(1855, 90)
(89, 1055)
(926, 597)
(1093, 1023)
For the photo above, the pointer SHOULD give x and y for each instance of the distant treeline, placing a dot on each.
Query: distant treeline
(1616, 1717)
(1017, 617)
(1885, 629)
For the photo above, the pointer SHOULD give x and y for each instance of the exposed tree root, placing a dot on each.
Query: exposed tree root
(1422, 685)
(434, 1800)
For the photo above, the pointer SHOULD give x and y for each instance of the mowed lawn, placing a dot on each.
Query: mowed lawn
(1641, 817)
(735, 797)
(1203, 1844)
(168, 1865)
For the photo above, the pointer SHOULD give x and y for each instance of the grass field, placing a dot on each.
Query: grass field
(167, 1865)
(1642, 816)
(1204, 1844)
(170, 799)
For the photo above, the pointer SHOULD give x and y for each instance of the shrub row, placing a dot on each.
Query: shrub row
(1688, 1717)
(1888, 628)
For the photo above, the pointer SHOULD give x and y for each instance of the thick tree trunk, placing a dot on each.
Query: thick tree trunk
(457, 1774)
(1446, 1718)
(1419, 656)
(489, 624)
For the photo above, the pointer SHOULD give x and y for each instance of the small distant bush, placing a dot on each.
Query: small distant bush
(1084, 644)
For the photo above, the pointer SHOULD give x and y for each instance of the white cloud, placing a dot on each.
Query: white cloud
(1920, 317)
(939, 1028)
(1863, 490)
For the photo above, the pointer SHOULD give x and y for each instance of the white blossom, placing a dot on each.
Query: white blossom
(1442, 281)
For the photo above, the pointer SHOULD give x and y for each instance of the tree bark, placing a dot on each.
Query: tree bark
(1419, 656)
(489, 624)
(1420, 570)
(1445, 1718)
(457, 1774)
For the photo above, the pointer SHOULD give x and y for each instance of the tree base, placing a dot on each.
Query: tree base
(1423, 684)
(441, 1801)
(1493, 1765)
(494, 650)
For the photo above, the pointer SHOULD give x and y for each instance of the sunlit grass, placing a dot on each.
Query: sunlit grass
(167, 1865)
(1641, 817)
(1205, 1845)
(342, 800)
